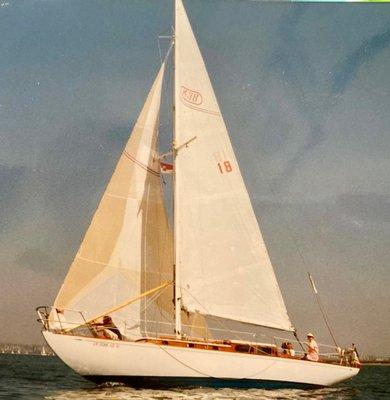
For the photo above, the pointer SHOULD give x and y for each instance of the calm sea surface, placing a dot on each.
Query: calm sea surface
(36, 377)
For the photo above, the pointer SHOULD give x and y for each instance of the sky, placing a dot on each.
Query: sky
(305, 93)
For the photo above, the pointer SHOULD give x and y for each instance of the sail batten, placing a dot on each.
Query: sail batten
(225, 269)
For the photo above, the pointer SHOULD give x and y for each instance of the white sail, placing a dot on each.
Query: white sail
(224, 268)
(127, 249)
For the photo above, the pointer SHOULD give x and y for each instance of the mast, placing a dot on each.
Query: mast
(175, 213)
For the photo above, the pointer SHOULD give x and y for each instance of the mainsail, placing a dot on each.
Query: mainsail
(225, 270)
(127, 249)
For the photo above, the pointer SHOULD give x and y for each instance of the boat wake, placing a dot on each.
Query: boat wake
(120, 392)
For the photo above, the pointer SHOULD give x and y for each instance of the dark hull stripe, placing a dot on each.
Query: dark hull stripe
(170, 382)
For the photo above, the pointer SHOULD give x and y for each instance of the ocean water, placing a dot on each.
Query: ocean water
(36, 377)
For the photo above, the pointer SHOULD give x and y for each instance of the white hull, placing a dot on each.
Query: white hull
(97, 358)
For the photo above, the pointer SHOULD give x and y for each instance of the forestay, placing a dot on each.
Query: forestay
(127, 249)
(222, 260)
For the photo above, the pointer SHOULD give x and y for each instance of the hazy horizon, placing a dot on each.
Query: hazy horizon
(304, 89)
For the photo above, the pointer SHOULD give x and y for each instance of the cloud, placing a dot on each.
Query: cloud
(73, 170)
(345, 71)
(11, 179)
(311, 91)
(288, 57)
(291, 63)
(358, 210)
(46, 209)
(338, 234)
(36, 260)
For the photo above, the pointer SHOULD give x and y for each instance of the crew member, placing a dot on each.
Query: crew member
(312, 348)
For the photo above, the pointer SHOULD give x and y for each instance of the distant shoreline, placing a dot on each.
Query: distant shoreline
(49, 352)
(387, 363)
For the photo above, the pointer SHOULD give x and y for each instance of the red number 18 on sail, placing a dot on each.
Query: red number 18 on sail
(225, 167)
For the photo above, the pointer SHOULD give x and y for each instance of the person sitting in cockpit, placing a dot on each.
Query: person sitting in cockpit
(110, 330)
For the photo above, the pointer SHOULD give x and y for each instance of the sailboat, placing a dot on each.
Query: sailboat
(136, 303)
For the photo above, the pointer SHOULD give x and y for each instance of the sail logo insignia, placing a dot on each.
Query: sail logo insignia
(191, 96)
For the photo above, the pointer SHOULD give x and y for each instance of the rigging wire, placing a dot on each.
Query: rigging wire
(317, 296)
(298, 251)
